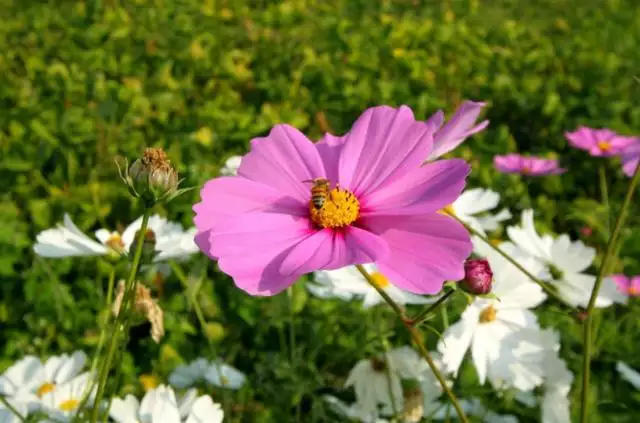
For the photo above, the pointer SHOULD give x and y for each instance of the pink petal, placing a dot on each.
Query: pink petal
(459, 127)
(424, 190)
(383, 144)
(252, 246)
(283, 160)
(329, 148)
(330, 249)
(582, 138)
(230, 196)
(425, 251)
(622, 282)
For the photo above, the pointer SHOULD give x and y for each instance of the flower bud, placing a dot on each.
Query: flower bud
(478, 277)
(151, 177)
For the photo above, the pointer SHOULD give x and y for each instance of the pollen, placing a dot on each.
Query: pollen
(379, 280)
(69, 405)
(488, 315)
(225, 381)
(115, 242)
(341, 208)
(447, 210)
(148, 382)
(604, 146)
(44, 388)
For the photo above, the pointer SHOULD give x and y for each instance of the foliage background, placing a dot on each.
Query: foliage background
(84, 81)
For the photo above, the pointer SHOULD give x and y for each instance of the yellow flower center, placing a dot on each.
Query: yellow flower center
(495, 242)
(633, 290)
(46, 387)
(341, 208)
(115, 242)
(148, 382)
(488, 315)
(448, 210)
(604, 146)
(69, 405)
(379, 280)
(224, 380)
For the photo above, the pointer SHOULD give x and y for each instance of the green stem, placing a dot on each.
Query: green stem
(103, 337)
(424, 314)
(12, 409)
(122, 321)
(543, 285)
(385, 346)
(292, 331)
(604, 192)
(608, 256)
(415, 336)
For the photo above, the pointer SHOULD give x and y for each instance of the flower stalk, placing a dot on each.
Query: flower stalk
(416, 338)
(424, 314)
(123, 319)
(606, 262)
(11, 408)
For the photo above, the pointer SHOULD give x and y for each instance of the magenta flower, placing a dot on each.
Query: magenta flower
(628, 286)
(265, 230)
(598, 142)
(630, 158)
(530, 166)
(459, 127)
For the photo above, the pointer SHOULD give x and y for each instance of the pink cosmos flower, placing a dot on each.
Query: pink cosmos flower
(529, 166)
(382, 206)
(598, 142)
(628, 286)
(459, 127)
(630, 158)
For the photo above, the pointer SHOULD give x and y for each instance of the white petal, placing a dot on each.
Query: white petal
(526, 237)
(70, 367)
(225, 376)
(555, 408)
(456, 341)
(570, 256)
(124, 411)
(629, 374)
(8, 416)
(575, 289)
(474, 201)
(231, 166)
(491, 222)
(205, 411)
(480, 353)
(25, 374)
(66, 241)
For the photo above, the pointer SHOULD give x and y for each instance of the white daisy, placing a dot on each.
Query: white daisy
(61, 404)
(224, 376)
(30, 379)
(353, 411)
(8, 416)
(186, 375)
(628, 374)
(375, 384)
(347, 283)
(473, 206)
(66, 240)
(231, 166)
(566, 260)
(486, 322)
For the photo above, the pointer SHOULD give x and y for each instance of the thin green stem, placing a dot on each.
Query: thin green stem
(604, 192)
(543, 285)
(415, 336)
(608, 256)
(122, 321)
(292, 330)
(424, 314)
(103, 337)
(385, 346)
(11, 408)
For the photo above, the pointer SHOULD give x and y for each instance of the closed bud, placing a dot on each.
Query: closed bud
(152, 177)
(478, 277)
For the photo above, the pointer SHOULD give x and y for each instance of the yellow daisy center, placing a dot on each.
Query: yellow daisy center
(115, 242)
(379, 280)
(224, 380)
(148, 382)
(488, 315)
(604, 146)
(448, 210)
(341, 208)
(44, 388)
(69, 405)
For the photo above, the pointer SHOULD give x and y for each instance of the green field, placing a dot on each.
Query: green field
(84, 82)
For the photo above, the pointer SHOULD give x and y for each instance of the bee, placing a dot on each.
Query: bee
(319, 192)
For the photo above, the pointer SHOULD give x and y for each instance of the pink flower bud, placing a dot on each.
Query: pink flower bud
(478, 277)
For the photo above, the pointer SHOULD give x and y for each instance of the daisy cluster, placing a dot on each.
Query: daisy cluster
(57, 390)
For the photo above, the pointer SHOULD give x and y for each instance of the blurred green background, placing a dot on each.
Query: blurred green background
(84, 81)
